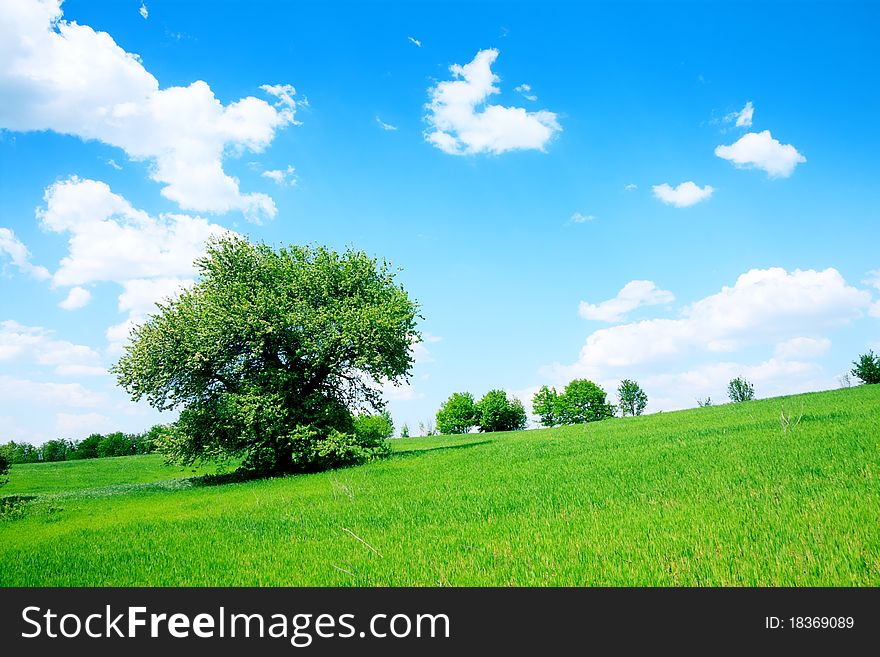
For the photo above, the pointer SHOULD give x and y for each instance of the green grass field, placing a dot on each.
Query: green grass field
(704, 497)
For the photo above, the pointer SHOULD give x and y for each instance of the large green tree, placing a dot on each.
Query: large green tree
(458, 414)
(584, 401)
(498, 412)
(546, 404)
(270, 351)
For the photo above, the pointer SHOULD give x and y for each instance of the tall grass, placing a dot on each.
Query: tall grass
(726, 495)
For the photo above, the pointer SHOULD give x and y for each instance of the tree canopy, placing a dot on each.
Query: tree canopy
(270, 351)
(458, 414)
(740, 390)
(867, 368)
(631, 399)
(498, 412)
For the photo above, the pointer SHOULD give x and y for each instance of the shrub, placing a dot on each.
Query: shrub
(631, 399)
(867, 368)
(404, 430)
(373, 428)
(498, 412)
(5, 463)
(458, 414)
(740, 390)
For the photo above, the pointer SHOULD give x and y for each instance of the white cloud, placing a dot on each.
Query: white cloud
(34, 344)
(633, 295)
(68, 78)
(686, 194)
(873, 278)
(765, 308)
(760, 151)
(76, 425)
(525, 91)
(112, 163)
(143, 11)
(20, 256)
(415, 42)
(462, 123)
(281, 177)
(578, 218)
(78, 297)
(109, 240)
(802, 347)
(385, 126)
(631, 187)
(55, 394)
(743, 118)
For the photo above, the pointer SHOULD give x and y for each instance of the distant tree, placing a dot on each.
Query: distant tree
(5, 463)
(270, 352)
(867, 368)
(458, 414)
(56, 450)
(584, 401)
(546, 404)
(87, 448)
(22, 452)
(498, 412)
(702, 403)
(740, 390)
(844, 380)
(426, 428)
(404, 430)
(631, 399)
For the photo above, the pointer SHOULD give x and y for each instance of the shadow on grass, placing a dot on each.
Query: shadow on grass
(420, 450)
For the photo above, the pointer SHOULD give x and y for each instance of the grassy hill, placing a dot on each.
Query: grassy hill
(724, 495)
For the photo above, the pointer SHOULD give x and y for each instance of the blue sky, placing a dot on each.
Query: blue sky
(673, 193)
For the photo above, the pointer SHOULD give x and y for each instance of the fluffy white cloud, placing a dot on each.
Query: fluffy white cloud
(62, 76)
(686, 194)
(20, 256)
(631, 187)
(281, 177)
(78, 297)
(72, 425)
(109, 240)
(769, 308)
(461, 122)
(802, 347)
(71, 395)
(143, 11)
(759, 150)
(633, 295)
(34, 344)
(414, 41)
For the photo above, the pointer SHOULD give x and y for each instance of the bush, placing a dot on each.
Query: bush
(22, 452)
(631, 399)
(740, 390)
(5, 463)
(56, 450)
(498, 412)
(373, 428)
(404, 430)
(584, 401)
(867, 368)
(458, 414)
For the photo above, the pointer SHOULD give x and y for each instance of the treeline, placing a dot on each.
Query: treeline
(95, 446)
